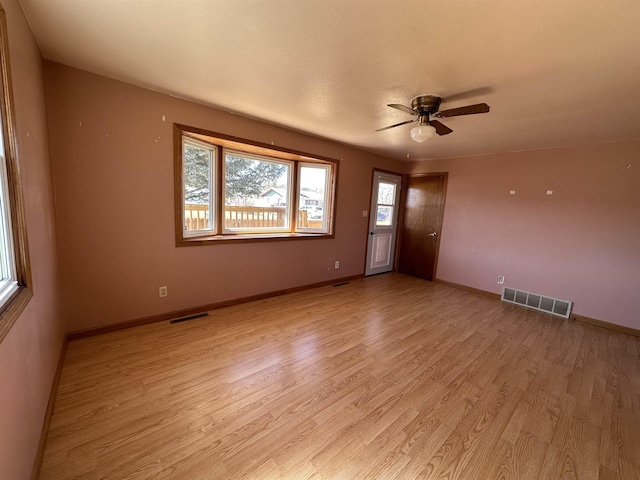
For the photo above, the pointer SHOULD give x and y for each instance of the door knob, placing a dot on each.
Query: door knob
(434, 234)
(371, 233)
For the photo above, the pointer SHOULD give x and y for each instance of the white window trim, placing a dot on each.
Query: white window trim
(213, 166)
(8, 276)
(327, 206)
(260, 158)
(396, 183)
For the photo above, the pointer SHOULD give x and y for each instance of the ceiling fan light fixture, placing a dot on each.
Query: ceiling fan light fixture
(422, 133)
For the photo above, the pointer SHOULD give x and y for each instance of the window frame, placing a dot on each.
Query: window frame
(328, 204)
(213, 174)
(17, 299)
(260, 158)
(252, 149)
(394, 207)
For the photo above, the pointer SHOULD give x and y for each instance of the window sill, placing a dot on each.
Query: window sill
(12, 309)
(248, 238)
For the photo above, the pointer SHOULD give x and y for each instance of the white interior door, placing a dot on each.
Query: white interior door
(383, 222)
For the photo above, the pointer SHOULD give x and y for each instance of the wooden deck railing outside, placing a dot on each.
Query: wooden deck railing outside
(196, 217)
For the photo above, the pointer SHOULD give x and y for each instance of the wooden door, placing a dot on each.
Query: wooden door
(422, 224)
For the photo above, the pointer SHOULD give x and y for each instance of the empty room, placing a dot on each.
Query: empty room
(316, 239)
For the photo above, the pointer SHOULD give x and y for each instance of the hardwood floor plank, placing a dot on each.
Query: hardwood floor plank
(302, 446)
(626, 471)
(520, 460)
(387, 377)
(424, 439)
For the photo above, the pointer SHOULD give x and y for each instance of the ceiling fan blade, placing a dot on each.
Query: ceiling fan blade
(441, 128)
(396, 125)
(402, 108)
(468, 110)
(476, 92)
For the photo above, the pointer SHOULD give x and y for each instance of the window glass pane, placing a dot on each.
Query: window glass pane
(386, 193)
(6, 245)
(384, 216)
(198, 188)
(256, 193)
(312, 203)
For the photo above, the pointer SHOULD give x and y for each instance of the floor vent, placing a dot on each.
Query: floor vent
(339, 284)
(555, 306)
(184, 319)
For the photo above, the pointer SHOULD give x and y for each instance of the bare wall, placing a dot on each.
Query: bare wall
(29, 353)
(112, 154)
(581, 244)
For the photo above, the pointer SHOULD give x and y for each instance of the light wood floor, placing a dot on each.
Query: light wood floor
(387, 377)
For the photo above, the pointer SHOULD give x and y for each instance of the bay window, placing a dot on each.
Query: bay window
(228, 189)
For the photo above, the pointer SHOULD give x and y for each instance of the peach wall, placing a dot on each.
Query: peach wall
(113, 173)
(581, 244)
(29, 353)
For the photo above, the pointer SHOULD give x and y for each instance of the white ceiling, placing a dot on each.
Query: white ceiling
(555, 73)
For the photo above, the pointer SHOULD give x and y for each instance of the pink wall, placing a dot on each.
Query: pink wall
(113, 173)
(29, 353)
(581, 244)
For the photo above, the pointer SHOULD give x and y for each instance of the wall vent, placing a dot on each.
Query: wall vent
(555, 306)
(184, 319)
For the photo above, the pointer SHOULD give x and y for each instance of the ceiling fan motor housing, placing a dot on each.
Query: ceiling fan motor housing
(426, 104)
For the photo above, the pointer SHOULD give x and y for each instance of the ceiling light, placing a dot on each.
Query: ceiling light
(422, 133)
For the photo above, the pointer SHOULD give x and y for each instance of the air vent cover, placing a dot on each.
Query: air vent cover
(554, 306)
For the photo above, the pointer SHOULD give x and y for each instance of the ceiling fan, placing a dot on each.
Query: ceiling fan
(425, 107)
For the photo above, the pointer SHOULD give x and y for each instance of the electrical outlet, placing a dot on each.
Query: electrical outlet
(162, 292)
(500, 279)
(337, 264)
